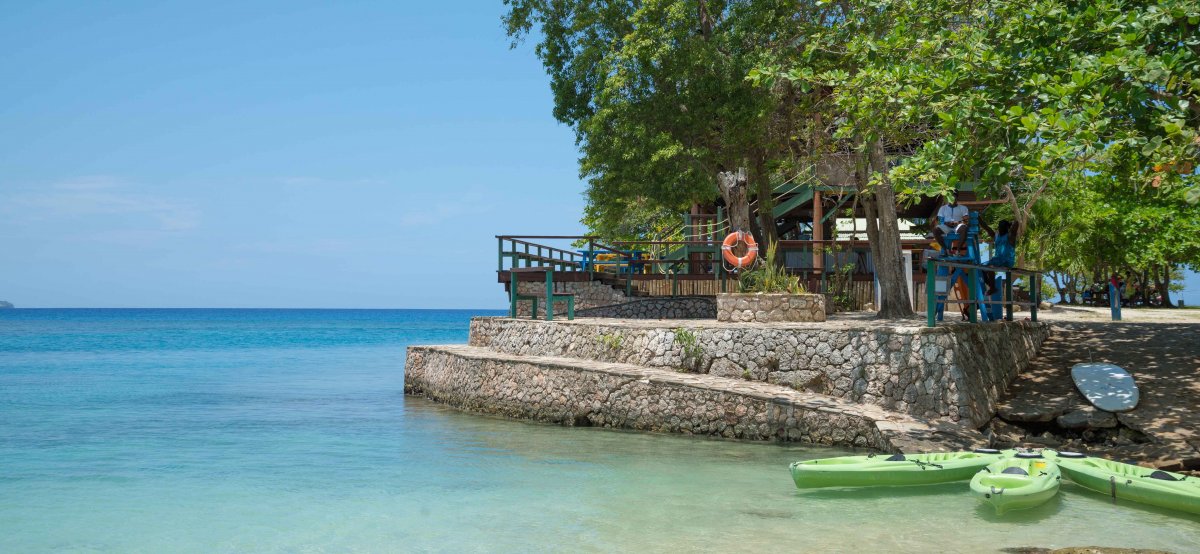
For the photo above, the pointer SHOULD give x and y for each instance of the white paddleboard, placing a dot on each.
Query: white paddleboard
(1106, 386)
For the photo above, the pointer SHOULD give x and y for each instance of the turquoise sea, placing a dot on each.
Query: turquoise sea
(288, 431)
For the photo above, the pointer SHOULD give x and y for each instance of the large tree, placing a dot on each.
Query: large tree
(657, 96)
(1028, 99)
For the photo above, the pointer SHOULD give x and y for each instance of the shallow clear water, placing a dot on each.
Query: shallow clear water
(288, 431)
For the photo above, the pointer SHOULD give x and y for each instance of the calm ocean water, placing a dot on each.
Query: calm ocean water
(288, 431)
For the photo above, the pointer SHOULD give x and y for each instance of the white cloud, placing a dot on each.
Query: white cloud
(101, 196)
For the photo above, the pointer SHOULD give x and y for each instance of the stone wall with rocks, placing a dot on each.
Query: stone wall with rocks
(624, 396)
(684, 307)
(769, 308)
(954, 371)
(588, 294)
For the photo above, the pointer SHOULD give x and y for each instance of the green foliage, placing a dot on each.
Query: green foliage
(689, 344)
(656, 95)
(611, 341)
(768, 277)
(1028, 99)
(1084, 115)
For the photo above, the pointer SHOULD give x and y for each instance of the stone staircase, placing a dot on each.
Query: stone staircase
(508, 369)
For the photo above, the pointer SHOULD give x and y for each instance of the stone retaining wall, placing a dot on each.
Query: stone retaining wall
(573, 392)
(767, 308)
(953, 371)
(686, 307)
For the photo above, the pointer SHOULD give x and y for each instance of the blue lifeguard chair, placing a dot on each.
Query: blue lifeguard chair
(987, 312)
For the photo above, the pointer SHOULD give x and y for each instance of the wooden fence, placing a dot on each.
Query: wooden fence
(861, 293)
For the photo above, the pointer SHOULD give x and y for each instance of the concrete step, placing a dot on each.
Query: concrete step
(571, 391)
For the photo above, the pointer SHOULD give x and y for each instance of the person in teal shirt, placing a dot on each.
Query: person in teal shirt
(1004, 251)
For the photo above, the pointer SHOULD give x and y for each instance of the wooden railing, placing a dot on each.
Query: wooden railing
(695, 268)
(976, 300)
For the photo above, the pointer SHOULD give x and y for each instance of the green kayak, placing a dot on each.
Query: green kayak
(1129, 482)
(1022, 481)
(884, 470)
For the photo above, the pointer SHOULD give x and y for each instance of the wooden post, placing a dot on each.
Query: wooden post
(930, 294)
(1008, 295)
(972, 293)
(549, 295)
(818, 233)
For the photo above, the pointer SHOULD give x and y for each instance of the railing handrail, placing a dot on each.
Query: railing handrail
(561, 237)
(964, 265)
(802, 242)
(543, 246)
(973, 293)
(665, 242)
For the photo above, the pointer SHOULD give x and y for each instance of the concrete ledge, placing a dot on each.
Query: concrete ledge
(576, 392)
(768, 308)
(955, 372)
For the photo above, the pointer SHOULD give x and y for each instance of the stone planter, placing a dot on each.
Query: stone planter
(764, 308)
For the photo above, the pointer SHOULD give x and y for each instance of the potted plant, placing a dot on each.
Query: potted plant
(768, 293)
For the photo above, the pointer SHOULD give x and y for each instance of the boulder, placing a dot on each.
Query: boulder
(1017, 411)
(1087, 418)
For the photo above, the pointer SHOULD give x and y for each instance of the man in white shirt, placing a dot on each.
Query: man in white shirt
(951, 215)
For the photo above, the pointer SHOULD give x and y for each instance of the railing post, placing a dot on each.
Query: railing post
(549, 295)
(930, 293)
(590, 259)
(499, 253)
(512, 295)
(1035, 295)
(1008, 296)
(972, 293)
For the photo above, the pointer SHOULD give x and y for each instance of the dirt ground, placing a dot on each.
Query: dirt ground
(1160, 348)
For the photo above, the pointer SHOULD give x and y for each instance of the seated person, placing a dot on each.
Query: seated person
(1004, 251)
(959, 246)
(949, 216)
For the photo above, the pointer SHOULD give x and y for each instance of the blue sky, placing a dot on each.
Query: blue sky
(290, 154)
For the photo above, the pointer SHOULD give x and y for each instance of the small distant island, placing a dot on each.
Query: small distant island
(6, 305)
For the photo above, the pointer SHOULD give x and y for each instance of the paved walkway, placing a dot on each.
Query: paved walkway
(1164, 359)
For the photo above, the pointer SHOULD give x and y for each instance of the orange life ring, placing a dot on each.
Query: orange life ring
(732, 240)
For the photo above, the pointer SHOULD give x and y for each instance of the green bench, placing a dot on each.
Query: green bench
(515, 296)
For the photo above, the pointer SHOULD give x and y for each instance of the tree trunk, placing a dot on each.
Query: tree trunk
(733, 190)
(767, 233)
(1072, 282)
(1062, 291)
(894, 302)
(1164, 286)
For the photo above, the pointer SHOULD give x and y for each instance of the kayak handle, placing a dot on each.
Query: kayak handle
(923, 464)
(997, 492)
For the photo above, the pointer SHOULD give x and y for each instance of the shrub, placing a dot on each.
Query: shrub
(611, 341)
(768, 277)
(691, 347)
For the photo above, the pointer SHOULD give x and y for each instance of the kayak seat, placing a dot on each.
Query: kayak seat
(1015, 471)
(896, 458)
(1162, 475)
